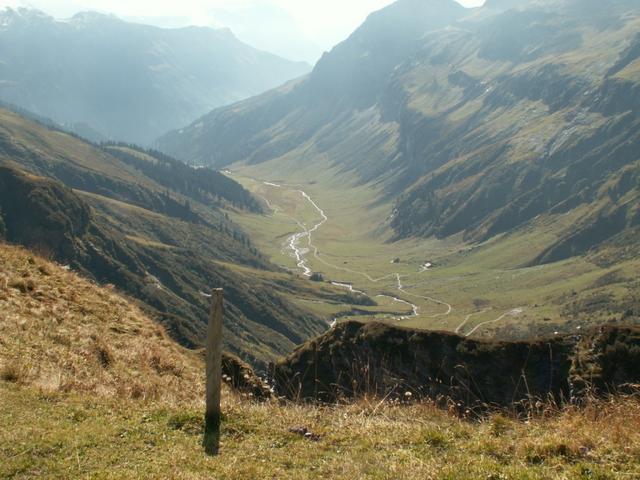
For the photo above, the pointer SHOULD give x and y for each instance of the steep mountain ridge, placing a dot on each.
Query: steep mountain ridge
(476, 126)
(109, 79)
(336, 99)
(356, 71)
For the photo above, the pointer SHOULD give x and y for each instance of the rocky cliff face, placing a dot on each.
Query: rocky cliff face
(356, 359)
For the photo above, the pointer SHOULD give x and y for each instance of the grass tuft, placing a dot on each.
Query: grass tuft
(103, 354)
(187, 422)
(23, 285)
(10, 373)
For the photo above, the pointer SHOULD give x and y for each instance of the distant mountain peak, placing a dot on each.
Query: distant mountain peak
(22, 15)
(92, 16)
(502, 4)
(129, 81)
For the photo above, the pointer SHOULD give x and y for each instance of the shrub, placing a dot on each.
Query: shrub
(317, 277)
(102, 354)
(10, 373)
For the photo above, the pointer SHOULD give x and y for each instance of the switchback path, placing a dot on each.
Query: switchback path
(468, 317)
(514, 313)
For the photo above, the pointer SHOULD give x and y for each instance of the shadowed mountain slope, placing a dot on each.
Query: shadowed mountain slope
(166, 245)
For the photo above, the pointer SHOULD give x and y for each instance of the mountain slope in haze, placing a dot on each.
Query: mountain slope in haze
(347, 80)
(158, 232)
(103, 77)
(475, 122)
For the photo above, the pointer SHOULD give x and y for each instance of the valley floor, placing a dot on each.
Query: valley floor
(57, 435)
(333, 227)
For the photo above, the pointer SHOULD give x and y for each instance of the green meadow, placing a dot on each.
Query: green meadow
(486, 289)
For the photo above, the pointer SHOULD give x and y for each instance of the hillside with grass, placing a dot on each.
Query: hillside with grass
(155, 229)
(91, 386)
(64, 333)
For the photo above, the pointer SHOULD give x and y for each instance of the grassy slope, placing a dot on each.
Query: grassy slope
(62, 436)
(60, 332)
(512, 119)
(65, 413)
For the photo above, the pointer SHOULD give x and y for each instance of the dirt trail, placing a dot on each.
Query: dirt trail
(514, 313)
(468, 317)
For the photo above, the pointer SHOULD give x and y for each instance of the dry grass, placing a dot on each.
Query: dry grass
(90, 387)
(59, 332)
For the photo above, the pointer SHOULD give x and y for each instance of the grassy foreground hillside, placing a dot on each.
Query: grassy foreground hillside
(62, 333)
(71, 436)
(90, 387)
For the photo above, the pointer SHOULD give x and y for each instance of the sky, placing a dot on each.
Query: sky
(296, 29)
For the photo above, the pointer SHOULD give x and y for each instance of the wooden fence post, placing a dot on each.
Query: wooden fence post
(214, 373)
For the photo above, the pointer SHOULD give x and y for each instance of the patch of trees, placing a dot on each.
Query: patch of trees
(201, 184)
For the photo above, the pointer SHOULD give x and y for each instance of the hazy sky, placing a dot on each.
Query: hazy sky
(297, 29)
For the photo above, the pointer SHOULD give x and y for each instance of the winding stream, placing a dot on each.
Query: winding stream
(300, 251)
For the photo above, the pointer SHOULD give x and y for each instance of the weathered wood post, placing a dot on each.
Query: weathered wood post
(214, 373)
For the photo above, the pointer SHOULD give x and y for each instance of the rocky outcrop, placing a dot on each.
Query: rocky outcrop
(240, 377)
(355, 359)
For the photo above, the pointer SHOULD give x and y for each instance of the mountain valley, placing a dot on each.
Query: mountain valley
(492, 163)
(156, 229)
(427, 245)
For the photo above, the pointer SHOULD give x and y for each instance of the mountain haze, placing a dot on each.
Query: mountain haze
(474, 121)
(108, 79)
